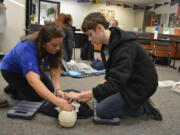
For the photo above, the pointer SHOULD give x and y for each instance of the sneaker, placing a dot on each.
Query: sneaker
(3, 103)
(150, 108)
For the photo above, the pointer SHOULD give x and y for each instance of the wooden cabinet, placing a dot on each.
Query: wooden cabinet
(172, 45)
(175, 37)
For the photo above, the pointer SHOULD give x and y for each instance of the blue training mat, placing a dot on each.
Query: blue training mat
(25, 109)
(80, 75)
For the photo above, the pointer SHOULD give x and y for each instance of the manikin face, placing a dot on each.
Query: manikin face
(54, 45)
(95, 36)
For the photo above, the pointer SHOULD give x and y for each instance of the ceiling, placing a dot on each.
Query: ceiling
(139, 2)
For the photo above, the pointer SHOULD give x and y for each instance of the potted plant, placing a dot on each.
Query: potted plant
(50, 11)
(32, 18)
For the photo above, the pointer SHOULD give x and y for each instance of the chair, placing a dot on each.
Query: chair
(161, 49)
(146, 44)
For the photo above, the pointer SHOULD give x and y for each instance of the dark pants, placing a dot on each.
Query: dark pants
(20, 85)
(68, 50)
(115, 106)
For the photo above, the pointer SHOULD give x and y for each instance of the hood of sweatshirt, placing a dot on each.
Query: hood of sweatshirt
(119, 36)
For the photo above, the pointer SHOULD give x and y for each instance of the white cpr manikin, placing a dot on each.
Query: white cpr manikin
(68, 118)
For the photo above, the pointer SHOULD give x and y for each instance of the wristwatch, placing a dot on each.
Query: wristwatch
(57, 91)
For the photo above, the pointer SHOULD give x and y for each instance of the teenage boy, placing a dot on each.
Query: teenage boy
(130, 79)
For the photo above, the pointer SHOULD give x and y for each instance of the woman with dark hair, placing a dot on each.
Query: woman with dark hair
(65, 21)
(23, 67)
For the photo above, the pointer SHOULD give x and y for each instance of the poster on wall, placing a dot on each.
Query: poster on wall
(108, 13)
(155, 20)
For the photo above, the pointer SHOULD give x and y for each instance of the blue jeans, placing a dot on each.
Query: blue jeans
(115, 106)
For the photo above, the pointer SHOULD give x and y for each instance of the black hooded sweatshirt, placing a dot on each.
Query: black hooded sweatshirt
(129, 70)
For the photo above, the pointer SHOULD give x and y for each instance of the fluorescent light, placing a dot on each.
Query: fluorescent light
(17, 3)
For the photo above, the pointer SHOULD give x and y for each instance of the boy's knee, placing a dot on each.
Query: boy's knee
(100, 109)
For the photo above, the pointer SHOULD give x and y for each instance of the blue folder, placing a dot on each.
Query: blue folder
(80, 75)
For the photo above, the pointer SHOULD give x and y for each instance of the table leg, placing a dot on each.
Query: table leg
(74, 47)
(176, 48)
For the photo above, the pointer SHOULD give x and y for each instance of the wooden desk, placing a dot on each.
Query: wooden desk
(172, 41)
(176, 50)
(172, 44)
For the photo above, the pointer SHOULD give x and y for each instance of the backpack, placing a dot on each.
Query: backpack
(98, 64)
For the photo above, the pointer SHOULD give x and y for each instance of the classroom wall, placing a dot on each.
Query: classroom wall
(16, 18)
(165, 9)
(80, 10)
(15, 25)
(139, 18)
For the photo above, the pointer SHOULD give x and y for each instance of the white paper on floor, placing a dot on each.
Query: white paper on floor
(167, 83)
(176, 87)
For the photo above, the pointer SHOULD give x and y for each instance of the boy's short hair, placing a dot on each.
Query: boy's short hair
(92, 20)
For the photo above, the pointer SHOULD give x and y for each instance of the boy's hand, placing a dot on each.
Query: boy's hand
(72, 96)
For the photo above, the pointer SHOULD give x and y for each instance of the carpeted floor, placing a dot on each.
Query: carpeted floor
(168, 101)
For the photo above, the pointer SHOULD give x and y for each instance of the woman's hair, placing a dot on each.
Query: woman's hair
(113, 23)
(46, 34)
(92, 20)
(63, 19)
(68, 18)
